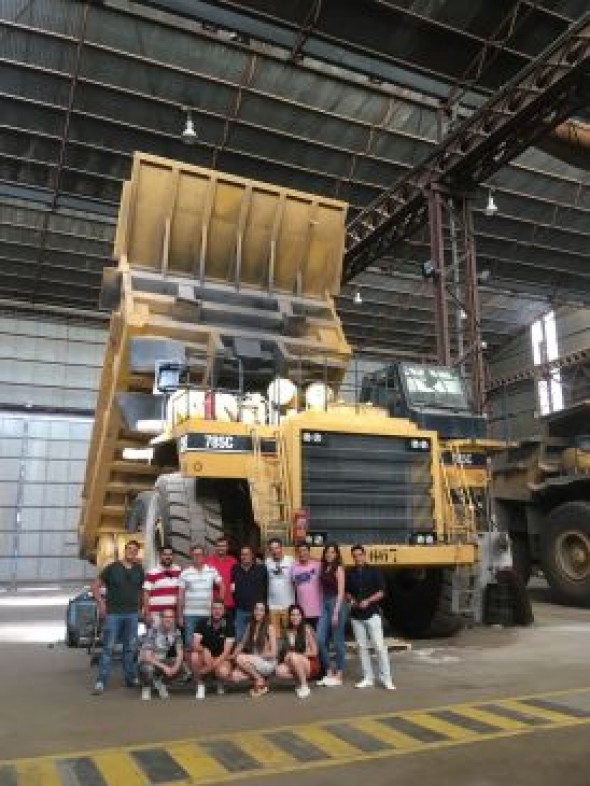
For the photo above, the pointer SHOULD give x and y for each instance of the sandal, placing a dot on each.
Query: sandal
(261, 690)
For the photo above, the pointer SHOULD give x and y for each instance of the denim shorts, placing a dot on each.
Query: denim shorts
(265, 667)
(191, 622)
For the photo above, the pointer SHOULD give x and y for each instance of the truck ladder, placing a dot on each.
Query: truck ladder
(270, 489)
(461, 529)
(460, 502)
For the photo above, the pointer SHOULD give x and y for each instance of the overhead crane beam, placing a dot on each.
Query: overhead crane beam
(540, 97)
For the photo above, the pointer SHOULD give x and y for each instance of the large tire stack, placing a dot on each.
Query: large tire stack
(419, 603)
(185, 511)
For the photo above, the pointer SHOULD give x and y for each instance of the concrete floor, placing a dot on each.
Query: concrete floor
(47, 707)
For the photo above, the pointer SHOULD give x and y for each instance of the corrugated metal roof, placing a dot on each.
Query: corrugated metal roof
(335, 107)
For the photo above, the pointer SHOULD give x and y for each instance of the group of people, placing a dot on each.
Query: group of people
(234, 620)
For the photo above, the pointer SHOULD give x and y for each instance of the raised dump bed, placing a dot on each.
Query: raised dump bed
(226, 275)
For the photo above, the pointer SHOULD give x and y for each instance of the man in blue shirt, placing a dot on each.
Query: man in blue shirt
(249, 587)
(364, 590)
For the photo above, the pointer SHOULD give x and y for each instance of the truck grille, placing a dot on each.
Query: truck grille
(366, 488)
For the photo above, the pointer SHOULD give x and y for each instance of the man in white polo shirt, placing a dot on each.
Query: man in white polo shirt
(195, 595)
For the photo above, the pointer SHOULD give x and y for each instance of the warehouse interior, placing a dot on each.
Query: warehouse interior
(321, 107)
(348, 101)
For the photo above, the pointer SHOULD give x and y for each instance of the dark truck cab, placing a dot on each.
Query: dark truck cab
(432, 397)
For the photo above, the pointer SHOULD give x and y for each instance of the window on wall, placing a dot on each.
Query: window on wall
(545, 349)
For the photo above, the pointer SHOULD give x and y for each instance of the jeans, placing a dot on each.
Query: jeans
(371, 630)
(123, 628)
(242, 619)
(191, 622)
(327, 632)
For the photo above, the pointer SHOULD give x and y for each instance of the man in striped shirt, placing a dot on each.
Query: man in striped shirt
(160, 587)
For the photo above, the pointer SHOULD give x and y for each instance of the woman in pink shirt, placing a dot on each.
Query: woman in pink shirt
(305, 574)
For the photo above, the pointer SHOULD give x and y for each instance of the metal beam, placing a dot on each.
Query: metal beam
(543, 370)
(329, 50)
(538, 99)
(44, 196)
(59, 167)
(288, 137)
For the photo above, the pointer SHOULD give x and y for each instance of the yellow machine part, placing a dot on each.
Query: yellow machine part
(180, 219)
(575, 460)
(183, 232)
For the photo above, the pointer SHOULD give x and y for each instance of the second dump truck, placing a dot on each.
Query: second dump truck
(542, 498)
(222, 406)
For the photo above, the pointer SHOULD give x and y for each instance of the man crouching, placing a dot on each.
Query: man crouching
(160, 657)
(213, 643)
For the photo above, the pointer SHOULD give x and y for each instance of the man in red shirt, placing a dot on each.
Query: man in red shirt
(160, 587)
(223, 564)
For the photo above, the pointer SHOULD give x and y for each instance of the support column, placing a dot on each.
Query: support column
(472, 310)
(437, 257)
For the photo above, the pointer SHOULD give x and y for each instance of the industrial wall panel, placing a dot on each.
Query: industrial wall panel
(50, 350)
(8, 489)
(51, 367)
(49, 364)
(48, 520)
(514, 408)
(41, 469)
(8, 469)
(6, 543)
(18, 395)
(7, 513)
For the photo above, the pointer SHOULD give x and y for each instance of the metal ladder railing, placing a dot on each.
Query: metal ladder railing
(461, 507)
(270, 489)
(460, 504)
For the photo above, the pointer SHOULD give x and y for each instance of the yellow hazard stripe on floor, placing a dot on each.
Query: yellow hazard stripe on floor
(231, 756)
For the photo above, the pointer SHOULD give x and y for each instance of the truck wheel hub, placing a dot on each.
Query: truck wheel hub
(573, 555)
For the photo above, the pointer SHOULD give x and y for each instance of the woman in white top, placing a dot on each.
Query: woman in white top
(256, 654)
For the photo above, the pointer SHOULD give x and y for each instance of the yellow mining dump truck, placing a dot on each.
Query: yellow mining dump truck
(221, 408)
(542, 498)
(437, 398)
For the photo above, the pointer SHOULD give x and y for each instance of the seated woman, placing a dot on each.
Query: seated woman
(256, 654)
(299, 652)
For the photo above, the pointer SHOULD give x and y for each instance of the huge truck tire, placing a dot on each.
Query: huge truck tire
(137, 513)
(185, 511)
(521, 557)
(419, 603)
(565, 552)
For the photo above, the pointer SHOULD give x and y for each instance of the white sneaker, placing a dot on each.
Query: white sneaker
(162, 689)
(302, 692)
(200, 694)
(388, 685)
(323, 682)
(146, 693)
(365, 683)
(186, 674)
(220, 689)
(332, 682)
